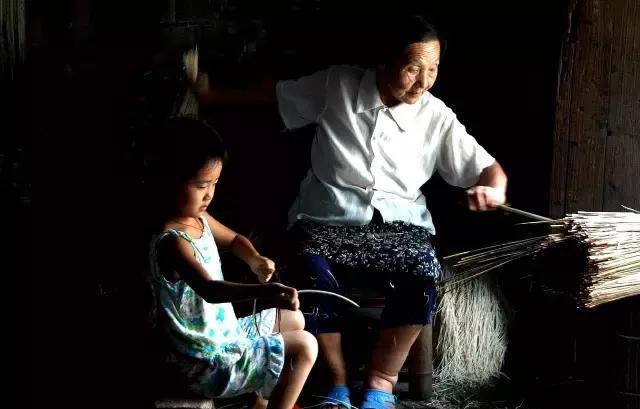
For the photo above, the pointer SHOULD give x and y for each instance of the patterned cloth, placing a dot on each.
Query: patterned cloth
(390, 248)
(396, 257)
(219, 355)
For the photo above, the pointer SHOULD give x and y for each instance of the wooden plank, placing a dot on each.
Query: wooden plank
(172, 11)
(589, 107)
(563, 118)
(622, 175)
(582, 114)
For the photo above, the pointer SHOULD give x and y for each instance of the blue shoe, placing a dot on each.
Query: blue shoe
(336, 396)
(377, 399)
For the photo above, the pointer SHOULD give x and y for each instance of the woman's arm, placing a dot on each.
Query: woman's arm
(490, 191)
(299, 102)
(177, 255)
(242, 248)
(206, 93)
(265, 92)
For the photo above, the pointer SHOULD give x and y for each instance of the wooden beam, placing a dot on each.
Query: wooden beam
(582, 111)
(596, 158)
(563, 117)
(622, 173)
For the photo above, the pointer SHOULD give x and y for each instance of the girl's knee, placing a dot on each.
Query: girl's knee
(301, 345)
(291, 321)
(298, 320)
(310, 345)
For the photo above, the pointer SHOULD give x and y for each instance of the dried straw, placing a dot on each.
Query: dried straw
(12, 36)
(611, 244)
(471, 341)
(471, 318)
(188, 106)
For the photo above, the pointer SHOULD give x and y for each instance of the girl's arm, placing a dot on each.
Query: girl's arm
(242, 248)
(176, 254)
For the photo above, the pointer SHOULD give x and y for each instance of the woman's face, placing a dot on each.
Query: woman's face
(412, 74)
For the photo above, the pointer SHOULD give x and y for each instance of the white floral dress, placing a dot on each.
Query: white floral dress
(217, 354)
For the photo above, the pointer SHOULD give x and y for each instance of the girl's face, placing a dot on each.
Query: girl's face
(198, 192)
(413, 74)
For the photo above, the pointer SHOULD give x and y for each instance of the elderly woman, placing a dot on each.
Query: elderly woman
(360, 215)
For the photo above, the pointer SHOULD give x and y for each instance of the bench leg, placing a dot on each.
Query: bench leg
(420, 362)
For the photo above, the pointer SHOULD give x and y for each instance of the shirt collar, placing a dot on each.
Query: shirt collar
(368, 95)
(404, 114)
(369, 98)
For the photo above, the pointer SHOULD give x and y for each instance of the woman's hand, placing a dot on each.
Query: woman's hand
(490, 191)
(262, 267)
(283, 296)
(190, 62)
(199, 83)
(482, 198)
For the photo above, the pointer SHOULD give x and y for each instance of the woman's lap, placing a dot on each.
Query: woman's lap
(396, 257)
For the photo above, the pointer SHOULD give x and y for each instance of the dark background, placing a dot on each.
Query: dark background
(96, 71)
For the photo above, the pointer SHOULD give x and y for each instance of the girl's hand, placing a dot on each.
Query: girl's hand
(481, 198)
(262, 267)
(284, 297)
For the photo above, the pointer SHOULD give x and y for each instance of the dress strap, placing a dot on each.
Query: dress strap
(205, 224)
(184, 236)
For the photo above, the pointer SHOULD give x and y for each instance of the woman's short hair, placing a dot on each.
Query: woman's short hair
(400, 32)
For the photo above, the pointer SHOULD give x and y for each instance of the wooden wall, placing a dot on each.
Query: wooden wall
(596, 158)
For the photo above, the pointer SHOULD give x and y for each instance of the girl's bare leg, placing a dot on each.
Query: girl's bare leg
(301, 350)
(260, 403)
(289, 321)
(330, 346)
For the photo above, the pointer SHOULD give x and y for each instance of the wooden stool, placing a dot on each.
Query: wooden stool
(194, 402)
(184, 404)
(420, 362)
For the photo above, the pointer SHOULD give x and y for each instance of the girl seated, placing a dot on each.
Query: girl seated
(217, 354)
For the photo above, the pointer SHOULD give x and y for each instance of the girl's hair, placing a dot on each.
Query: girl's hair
(184, 147)
(402, 31)
(176, 151)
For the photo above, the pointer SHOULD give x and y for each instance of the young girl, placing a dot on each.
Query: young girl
(216, 353)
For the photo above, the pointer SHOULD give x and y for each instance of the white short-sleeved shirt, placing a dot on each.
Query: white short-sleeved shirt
(366, 155)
